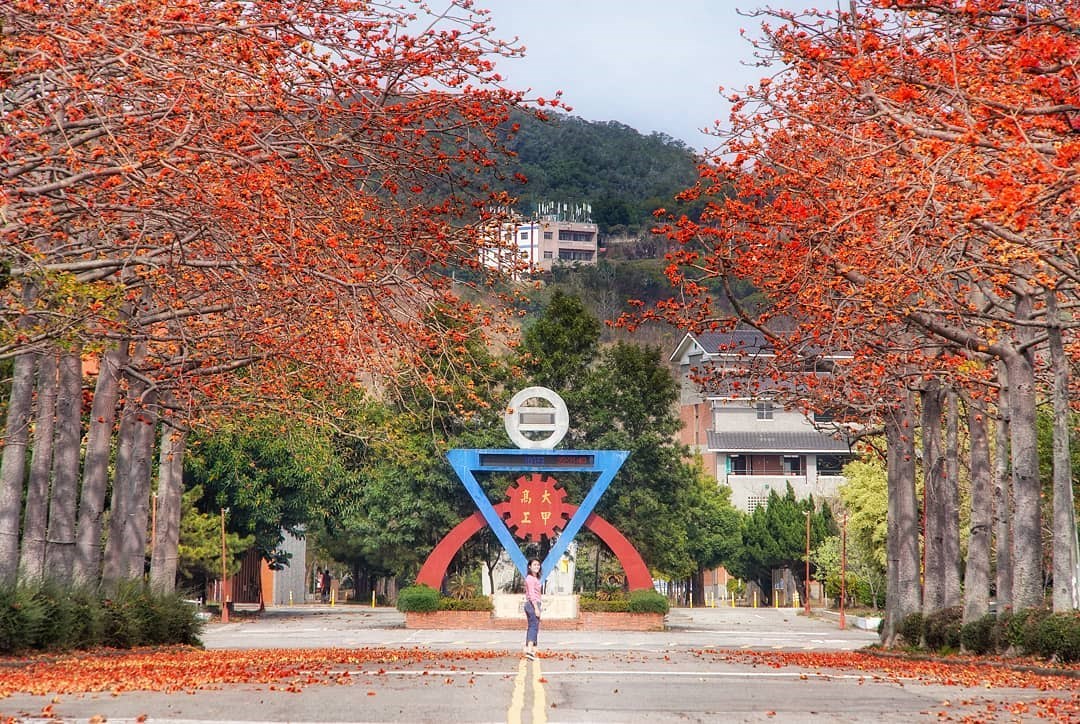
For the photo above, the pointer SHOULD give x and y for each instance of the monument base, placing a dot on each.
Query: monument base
(588, 621)
(556, 607)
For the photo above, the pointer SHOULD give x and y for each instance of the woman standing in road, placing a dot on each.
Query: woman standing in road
(532, 607)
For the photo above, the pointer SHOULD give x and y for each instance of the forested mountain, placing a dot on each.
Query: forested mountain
(623, 174)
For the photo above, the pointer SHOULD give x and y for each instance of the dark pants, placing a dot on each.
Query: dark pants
(534, 623)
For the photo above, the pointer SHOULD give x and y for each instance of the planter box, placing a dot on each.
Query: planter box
(556, 606)
(448, 619)
(586, 621)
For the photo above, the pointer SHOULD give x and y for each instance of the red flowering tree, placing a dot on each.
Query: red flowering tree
(223, 203)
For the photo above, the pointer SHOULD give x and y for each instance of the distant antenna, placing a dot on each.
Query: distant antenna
(564, 211)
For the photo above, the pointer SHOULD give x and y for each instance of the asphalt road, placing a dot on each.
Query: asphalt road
(702, 670)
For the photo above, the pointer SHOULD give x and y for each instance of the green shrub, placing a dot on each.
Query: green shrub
(610, 592)
(942, 629)
(184, 624)
(73, 617)
(589, 604)
(461, 587)
(1022, 629)
(168, 619)
(22, 619)
(911, 629)
(51, 616)
(125, 617)
(473, 603)
(420, 599)
(648, 601)
(1058, 635)
(978, 636)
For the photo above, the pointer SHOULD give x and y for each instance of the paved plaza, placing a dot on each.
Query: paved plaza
(712, 665)
(322, 626)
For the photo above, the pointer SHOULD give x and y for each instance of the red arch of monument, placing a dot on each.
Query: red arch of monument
(434, 568)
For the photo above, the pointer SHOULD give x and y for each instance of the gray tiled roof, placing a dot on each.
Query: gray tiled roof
(775, 442)
(741, 341)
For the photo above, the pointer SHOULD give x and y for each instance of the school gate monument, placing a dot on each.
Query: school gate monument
(535, 504)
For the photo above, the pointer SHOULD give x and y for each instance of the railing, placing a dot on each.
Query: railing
(767, 480)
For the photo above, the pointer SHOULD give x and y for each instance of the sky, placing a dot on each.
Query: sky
(654, 65)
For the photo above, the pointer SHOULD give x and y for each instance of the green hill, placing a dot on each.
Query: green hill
(621, 173)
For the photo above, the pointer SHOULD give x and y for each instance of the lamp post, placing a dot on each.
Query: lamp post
(224, 573)
(843, 570)
(807, 579)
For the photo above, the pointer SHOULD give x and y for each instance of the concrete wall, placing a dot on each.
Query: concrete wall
(290, 580)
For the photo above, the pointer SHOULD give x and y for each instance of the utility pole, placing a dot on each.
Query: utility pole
(807, 579)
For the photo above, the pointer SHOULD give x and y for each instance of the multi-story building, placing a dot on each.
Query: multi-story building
(750, 443)
(556, 235)
(544, 242)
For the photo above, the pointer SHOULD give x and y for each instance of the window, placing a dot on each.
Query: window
(548, 235)
(547, 254)
(793, 465)
(567, 235)
(524, 235)
(756, 465)
(823, 416)
(764, 410)
(574, 255)
(832, 464)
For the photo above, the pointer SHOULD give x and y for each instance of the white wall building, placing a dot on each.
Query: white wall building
(543, 242)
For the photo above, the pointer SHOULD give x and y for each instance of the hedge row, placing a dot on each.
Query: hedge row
(642, 601)
(1036, 632)
(51, 617)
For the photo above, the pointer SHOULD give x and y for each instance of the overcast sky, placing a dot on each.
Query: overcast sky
(655, 65)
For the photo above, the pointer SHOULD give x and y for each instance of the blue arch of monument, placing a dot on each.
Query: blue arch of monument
(467, 461)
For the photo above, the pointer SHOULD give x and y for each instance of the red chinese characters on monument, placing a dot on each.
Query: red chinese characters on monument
(536, 506)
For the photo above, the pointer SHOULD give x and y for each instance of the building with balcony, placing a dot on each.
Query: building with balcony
(557, 234)
(752, 444)
(542, 243)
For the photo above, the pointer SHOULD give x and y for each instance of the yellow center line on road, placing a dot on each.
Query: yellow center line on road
(517, 699)
(539, 700)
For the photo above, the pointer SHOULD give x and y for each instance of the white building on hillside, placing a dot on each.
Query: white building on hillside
(556, 235)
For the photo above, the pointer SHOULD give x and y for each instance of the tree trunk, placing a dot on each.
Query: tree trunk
(165, 551)
(1027, 524)
(933, 500)
(13, 463)
(114, 566)
(60, 545)
(1003, 543)
(1066, 596)
(698, 588)
(977, 572)
(96, 466)
(138, 507)
(950, 503)
(36, 515)
(903, 592)
(16, 439)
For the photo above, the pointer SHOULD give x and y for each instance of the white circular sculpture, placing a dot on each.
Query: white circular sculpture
(523, 417)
